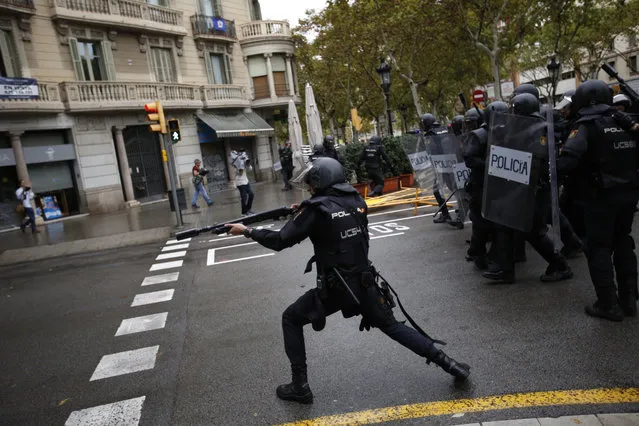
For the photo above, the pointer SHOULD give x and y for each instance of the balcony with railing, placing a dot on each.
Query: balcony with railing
(213, 28)
(49, 100)
(121, 14)
(225, 96)
(116, 95)
(264, 30)
(21, 6)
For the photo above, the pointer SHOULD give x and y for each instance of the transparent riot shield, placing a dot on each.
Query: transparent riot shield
(415, 148)
(447, 160)
(516, 157)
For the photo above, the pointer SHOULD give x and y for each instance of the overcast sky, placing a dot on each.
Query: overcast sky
(292, 10)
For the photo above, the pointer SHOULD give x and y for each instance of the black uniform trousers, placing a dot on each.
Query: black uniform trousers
(287, 173)
(481, 227)
(376, 175)
(506, 238)
(608, 220)
(304, 309)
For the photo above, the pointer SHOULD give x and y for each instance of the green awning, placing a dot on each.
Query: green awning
(237, 124)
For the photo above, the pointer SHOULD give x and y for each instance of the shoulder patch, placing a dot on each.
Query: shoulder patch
(573, 134)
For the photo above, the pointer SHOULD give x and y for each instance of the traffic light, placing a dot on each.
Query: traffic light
(156, 113)
(174, 130)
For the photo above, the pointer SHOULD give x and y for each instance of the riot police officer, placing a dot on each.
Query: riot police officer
(457, 125)
(335, 219)
(527, 105)
(326, 149)
(372, 156)
(610, 191)
(286, 160)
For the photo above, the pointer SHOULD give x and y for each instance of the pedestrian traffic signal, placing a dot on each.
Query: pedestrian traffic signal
(156, 113)
(174, 130)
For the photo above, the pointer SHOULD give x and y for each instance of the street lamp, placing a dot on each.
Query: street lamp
(384, 71)
(554, 72)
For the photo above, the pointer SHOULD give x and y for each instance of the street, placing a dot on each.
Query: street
(209, 349)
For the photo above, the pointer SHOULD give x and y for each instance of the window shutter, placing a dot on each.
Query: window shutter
(227, 68)
(6, 49)
(109, 64)
(217, 6)
(75, 58)
(209, 67)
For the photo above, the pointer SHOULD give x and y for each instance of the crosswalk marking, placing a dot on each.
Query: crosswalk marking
(119, 413)
(166, 265)
(171, 255)
(186, 240)
(159, 279)
(125, 362)
(144, 323)
(175, 247)
(153, 297)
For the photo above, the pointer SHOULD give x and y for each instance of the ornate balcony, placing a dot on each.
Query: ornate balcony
(120, 14)
(117, 96)
(26, 7)
(225, 96)
(278, 101)
(204, 28)
(265, 29)
(49, 101)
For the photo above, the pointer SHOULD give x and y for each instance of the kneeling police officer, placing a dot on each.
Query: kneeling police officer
(335, 219)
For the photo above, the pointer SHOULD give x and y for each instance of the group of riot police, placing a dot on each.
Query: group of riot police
(508, 195)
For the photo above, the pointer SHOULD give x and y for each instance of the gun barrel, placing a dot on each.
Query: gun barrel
(188, 234)
(611, 71)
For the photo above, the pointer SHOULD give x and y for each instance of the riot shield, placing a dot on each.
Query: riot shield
(415, 148)
(447, 160)
(516, 157)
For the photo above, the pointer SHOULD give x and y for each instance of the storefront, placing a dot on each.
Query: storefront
(51, 161)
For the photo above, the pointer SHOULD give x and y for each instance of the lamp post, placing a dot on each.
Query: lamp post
(554, 72)
(384, 71)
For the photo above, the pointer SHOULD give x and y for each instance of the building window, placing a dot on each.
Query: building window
(259, 77)
(92, 60)
(278, 63)
(255, 10)
(218, 68)
(567, 75)
(163, 65)
(163, 3)
(633, 64)
(211, 7)
(9, 66)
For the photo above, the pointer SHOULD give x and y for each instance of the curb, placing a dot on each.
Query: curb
(29, 254)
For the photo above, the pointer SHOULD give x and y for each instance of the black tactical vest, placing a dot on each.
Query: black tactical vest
(612, 152)
(343, 240)
(286, 157)
(372, 156)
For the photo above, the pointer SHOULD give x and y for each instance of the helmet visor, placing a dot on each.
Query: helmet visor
(566, 101)
(301, 180)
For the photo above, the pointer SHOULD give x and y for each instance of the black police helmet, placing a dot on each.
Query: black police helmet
(526, 88)
(592, 92)
(457, 123)
(472, 119)
(329, 141)
(524, 104)
(427, 121)
(327, 173)
(492, 108)
(376, 140)
(622, 100)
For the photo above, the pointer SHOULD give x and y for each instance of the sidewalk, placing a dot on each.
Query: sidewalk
(139, 225)
(588, 420)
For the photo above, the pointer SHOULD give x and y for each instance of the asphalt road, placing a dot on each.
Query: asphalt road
(218, 356)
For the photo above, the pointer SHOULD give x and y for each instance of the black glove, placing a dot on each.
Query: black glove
(364, 324)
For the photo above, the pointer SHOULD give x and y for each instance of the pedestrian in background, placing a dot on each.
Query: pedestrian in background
(239, 161)
(286, 160)
(198, 183)
(25, 195)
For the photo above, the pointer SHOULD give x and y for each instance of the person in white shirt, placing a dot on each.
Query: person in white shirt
(239, 162)
(25, 195)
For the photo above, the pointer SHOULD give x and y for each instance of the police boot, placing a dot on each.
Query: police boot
(611, 312)
(500, 276)
(558, 272)
(298, 390)
(459, 370)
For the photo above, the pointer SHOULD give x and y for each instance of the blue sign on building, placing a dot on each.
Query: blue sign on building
(18, 88)
(219, 24)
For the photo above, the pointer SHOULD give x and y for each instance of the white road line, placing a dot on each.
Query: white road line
(175, 247)
(238, 260)
(159, 279)
(125, 362)
(153, 297)
(387, 235)
(225, 238)
(171, 255)
(166, 265)
(186, 240)
(119, 413)
(140, 324)
(236, 245)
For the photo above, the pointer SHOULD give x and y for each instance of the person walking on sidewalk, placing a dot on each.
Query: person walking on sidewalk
(239, 162)
(286, 160)
(25, 195)
(198, 183)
